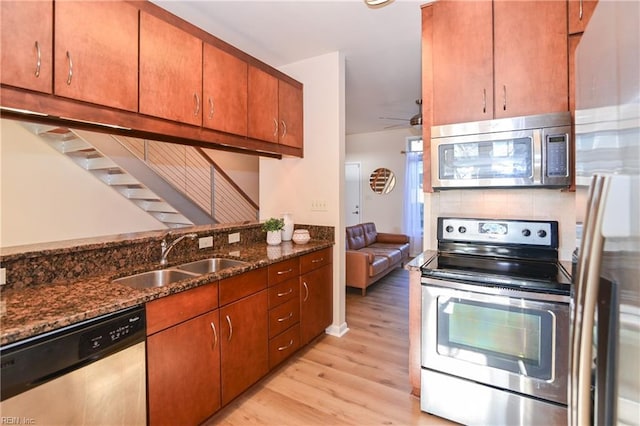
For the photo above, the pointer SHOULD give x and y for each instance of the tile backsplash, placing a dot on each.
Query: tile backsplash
(532, 204)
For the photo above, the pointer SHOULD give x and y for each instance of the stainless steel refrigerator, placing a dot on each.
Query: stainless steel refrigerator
(604, 385)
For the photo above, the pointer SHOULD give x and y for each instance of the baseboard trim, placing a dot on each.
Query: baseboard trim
(337, 330)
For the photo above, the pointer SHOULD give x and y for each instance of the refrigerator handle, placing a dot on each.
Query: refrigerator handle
(584, 305)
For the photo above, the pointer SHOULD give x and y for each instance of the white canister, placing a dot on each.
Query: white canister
(301, 236)
(287, 231)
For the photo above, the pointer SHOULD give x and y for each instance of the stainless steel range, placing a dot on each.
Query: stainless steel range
(495, 323)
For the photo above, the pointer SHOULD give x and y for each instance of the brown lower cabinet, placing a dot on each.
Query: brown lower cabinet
(244, 344)
(207, 345)
(184, 372)
(316, 294)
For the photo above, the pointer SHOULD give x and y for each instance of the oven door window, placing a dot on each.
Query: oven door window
(509, 158)
(509, 338)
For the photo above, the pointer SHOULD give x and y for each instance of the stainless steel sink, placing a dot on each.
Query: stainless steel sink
(157, 278)
(207, 266)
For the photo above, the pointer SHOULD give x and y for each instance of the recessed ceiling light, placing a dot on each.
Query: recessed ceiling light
(377, 3)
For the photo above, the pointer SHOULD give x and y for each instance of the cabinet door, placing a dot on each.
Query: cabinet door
(183, 368)
(291, 115)
(530, 60)
(170, 72)
(462, 61)
(316, 307)
(262, 106)
(26, 44)
(225, 91)
(96, 51)
(580, 12)
(244, 340)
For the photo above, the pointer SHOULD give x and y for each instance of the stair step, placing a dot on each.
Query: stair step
(155, 206)
(140, 194)
(115, 179)
(100, 163)
(172, 218)
(72, 145)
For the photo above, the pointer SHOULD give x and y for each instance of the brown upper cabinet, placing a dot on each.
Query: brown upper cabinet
(26, 47)
(291, 116)
(512, 61)
(135, 67)
(170, 71)
(96, 53)
(225, 91)
(580, 12)
(275, 109)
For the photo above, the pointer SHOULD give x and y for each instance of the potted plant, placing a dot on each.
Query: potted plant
(273, 227)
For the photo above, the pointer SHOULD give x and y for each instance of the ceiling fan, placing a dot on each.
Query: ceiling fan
(414, 121)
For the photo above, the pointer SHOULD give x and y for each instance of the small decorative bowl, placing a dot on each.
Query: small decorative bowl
(301, 236)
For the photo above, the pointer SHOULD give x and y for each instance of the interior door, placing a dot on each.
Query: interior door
(353, 195)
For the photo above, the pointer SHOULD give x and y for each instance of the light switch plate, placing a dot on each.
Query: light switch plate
(234, 238)
(205, 242)
(319, 205)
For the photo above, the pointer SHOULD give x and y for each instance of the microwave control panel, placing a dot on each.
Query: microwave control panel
(557, 158)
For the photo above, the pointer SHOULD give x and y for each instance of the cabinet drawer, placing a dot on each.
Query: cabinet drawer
(284, 292)
(174, 309)
(284, 345)
(315, 260)
(281, 271)
(283, 317)
(243, 285)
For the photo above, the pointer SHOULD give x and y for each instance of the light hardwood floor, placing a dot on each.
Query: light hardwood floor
(359, 379)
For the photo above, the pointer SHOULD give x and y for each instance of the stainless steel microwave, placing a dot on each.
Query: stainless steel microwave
(530, 151)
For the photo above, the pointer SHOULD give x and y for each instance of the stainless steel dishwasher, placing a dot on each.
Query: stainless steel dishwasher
(89, 373)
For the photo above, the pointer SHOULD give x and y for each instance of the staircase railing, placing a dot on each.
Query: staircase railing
(194, 173)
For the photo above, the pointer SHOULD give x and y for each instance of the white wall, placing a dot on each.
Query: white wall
(291, 184)
(374, 150)
(46, 197)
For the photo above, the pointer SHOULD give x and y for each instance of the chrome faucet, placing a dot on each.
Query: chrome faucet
(166, 248)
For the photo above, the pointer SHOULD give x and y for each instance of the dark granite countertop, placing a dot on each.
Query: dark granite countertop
(26, 312)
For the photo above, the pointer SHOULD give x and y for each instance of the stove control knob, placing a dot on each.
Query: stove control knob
(526, 232)
(542, 233)
(449, 229)
(462, 229)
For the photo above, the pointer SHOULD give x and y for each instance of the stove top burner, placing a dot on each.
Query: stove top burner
(518, 254)
(531, 275)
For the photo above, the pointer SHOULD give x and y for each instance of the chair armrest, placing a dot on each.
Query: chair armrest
(357, 267)
(384, 237)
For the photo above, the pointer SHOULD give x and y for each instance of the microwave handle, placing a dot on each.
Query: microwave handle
(584, 304)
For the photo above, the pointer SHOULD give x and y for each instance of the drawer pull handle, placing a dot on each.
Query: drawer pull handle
(306, 290)
(275, 128)
(230, 328)
(317, 260)
(287, 318)
(70, 74)
(215, 335)
(39, 59)
(284, 272)
(286, 292)
(284, 128)
(282, 348)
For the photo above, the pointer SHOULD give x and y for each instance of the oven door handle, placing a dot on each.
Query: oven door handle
(584, 304)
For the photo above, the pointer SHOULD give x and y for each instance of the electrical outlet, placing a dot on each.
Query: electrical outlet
(3, 276)
(234, 253)
(319, 205)
(234, 238)
(205, 242)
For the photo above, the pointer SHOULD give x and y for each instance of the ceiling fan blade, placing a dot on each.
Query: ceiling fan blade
(393, 118)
